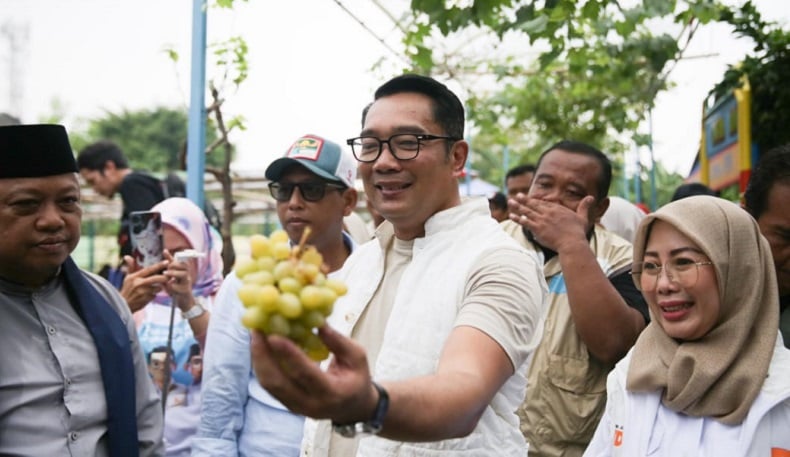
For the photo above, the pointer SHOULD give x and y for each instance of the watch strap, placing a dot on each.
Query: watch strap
(372, 426)
(193, 312)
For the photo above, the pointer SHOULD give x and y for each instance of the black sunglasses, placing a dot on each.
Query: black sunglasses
(311, 191)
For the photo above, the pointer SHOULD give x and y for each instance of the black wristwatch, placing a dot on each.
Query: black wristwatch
(371, 427)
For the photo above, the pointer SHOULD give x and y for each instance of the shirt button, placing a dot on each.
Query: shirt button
(68, 381)
(350, 317)
(73, 436)
(51, 330)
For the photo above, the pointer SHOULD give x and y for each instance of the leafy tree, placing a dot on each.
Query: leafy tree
(230, 58)
(593, 74)
(155, 140)
(766, 69)
(152, 139)
(666, 183)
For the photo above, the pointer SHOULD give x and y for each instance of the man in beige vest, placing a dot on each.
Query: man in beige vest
(595, 311)
(767, 199)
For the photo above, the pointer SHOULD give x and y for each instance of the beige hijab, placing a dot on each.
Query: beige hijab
(719, 375)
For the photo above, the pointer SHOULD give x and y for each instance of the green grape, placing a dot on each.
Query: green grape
(260, 246)
(313, 319)
(290, 285)
(244, 266)
(262, 278)
(315, 348)
(306, 272)
(285, 291)
(319, 280)
(248, 294)
(284, 269)
(254, 318)
(298, 331)
(281, 251)
(329, 296)
(266, 263)
(337, 286)
(326, 310)
(312, 341)
(311, 297)
(277, 325)
(318, 354)
(279, 236)
(267, 298)
(289, 305)
(311, 256)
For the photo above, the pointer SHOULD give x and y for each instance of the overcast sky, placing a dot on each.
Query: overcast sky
(310, 66)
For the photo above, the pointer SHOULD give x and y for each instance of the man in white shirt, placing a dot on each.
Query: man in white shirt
(442, 307)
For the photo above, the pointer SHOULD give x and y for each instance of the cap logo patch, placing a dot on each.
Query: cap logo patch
(306, 148)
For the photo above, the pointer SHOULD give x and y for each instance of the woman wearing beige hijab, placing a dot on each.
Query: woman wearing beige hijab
(709, 376)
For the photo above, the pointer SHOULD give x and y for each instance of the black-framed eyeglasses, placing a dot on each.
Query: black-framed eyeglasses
(681, 271)
(403, 146)
(312, 191)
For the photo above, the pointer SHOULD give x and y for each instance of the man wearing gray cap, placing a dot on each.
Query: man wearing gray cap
(73, 380)
(313, 185)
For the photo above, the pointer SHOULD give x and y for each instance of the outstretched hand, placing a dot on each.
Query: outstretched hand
(343, 393)
(552, 224)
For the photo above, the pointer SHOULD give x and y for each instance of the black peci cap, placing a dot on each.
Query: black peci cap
(32, 151)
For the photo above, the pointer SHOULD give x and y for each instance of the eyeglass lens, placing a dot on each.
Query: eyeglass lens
(404, 146)
(683, 272)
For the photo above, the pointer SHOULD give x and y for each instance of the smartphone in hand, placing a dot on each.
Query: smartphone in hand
(145, 231)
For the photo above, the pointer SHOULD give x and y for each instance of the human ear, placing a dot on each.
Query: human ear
(459, 151)
(350, 198)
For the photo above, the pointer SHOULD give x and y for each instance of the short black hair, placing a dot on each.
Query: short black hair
(448, 111)
(498, 200)
(193, 351)
(365, 113)
(691, 189)
(773, 167)
(519, 170)
(95, 155)
(577, 147)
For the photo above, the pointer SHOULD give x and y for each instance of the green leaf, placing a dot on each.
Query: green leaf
(172, 54)
(547, 58)
(423, 58)
(535, 26)
(659, 7)
(525, 13)
(227, 4)
(591, 10)
(624, 28)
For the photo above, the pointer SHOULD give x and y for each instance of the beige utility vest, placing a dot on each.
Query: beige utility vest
(566, 387)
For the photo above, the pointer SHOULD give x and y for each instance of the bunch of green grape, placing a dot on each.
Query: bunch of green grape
(286, 292)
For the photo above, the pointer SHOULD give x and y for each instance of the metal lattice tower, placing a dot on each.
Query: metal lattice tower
(16, 37)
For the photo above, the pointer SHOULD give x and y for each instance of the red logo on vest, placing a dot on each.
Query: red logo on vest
(618, 435)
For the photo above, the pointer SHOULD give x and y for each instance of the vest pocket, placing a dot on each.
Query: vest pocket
(575, 397)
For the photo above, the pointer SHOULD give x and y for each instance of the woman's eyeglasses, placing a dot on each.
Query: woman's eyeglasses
(310, 191)
(681, 271)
